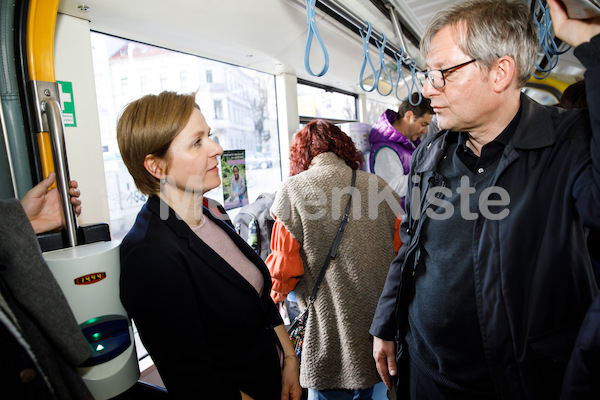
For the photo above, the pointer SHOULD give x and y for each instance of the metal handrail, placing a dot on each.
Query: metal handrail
(51, 107)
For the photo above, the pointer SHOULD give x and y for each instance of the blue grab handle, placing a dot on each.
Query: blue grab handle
(313, 32)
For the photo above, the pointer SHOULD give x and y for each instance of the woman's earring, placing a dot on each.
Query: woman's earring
(163, 180)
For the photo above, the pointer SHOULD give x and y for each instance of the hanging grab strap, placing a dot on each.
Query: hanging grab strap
(400, 74)
(546, 45)
(366, 58)
(312, 31)
(413, 85)
(382, 67)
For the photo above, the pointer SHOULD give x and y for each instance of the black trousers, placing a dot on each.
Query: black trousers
(422, 387)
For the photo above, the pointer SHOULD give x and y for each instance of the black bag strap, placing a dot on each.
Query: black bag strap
(332, 253)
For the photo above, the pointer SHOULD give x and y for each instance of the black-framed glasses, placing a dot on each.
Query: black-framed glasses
(437, 77)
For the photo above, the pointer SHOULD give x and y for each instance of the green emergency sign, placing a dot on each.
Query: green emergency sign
(67, 102)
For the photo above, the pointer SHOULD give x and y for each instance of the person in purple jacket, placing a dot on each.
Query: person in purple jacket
(394, 138)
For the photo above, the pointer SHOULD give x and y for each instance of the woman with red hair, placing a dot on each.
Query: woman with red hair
(337, 360)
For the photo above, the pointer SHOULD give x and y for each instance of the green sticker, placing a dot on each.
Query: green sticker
(68, 103)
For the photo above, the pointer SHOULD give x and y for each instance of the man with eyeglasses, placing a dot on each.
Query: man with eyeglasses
(488, 291)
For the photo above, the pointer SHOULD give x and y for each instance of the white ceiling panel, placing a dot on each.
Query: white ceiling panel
(266, 35)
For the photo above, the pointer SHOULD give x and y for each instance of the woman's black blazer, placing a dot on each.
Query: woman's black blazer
(208, 331)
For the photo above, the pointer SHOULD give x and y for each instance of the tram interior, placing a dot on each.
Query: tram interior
(113, 51)
(270, 39)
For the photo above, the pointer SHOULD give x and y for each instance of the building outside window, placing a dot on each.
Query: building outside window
(218, 104)
(322, 102)
(164, 81)
(117, 62)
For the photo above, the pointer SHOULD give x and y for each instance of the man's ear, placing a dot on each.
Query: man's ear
(505, 71)
(154, 166)
(409, 116)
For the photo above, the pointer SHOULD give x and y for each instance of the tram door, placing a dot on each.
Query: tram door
(58, 108)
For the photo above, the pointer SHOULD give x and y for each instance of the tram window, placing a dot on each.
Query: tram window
(315, 101)
(543, 95)
(239, 104)
(376, 108)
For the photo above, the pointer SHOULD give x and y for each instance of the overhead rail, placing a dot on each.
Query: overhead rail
(398, 29)
(377, 73)
(414, 87)
(384, 46)
(361, 25)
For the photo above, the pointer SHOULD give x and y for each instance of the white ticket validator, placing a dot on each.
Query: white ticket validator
(89, 278)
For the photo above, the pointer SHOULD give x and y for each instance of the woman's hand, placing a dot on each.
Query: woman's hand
(290, 378)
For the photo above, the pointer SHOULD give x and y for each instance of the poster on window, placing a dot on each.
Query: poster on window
(233, 169)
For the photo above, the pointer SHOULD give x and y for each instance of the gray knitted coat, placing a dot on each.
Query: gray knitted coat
(337, 352)
(36, 310)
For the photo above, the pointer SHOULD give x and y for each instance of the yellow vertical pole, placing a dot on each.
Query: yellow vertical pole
(41, 21)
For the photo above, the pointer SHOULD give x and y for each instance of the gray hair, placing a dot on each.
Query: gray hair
(489, 29)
